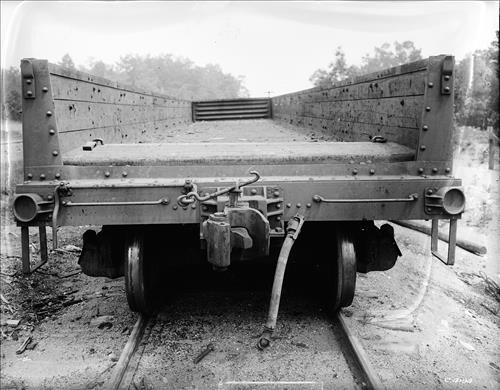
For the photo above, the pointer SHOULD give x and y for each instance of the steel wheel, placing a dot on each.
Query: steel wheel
(341, 274)
(139, 282)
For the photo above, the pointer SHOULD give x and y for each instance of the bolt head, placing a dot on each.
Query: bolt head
(107, 174)
(422, 147)
(253, 191)
(42, 176)
(288, 205)
(354, 171)
(308, 205)
(447, 77)
(124, 174)
(276, 193)
(434, 170)
(29, 81)
(447, 170)
(420, 170)
(45, 89)
(29, 93)
(447, 89)
(278, 218)
(430, 192)
(431, 84)
(55, 153)
(425, 127)
(29, 176)
(49, 113)
(57, 176)
(175, 207)
(193, 206)
(429, 209)
(427, 108)
(372, 171)
(52, 131)
(299, 205)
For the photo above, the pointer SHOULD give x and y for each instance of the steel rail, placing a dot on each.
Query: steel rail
(371, 378)
(119, 377)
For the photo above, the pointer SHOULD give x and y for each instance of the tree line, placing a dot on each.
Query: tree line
(476, 78)
(164, 74)
(475, 83)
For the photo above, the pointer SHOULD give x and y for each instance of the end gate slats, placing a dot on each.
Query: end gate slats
(231, 109)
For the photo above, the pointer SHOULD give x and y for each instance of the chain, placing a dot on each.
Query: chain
(193, 196)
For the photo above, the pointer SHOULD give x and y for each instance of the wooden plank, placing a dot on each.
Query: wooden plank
(77, 90)
(74, 115)
(405, 85)
(238, 153)
(124, 133)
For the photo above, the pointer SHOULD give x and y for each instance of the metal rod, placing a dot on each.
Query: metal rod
(162, 201)
(410, 198)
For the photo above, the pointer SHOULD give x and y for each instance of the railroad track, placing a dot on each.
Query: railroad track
(124, 371)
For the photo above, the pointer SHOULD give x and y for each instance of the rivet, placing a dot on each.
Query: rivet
(204, 208)
(55, 153)
(276, 193)
(420, 170)
(447, 77)
(447, 170)
(29, 176)
(299, 205)
(288, 205)
(50, 197)
(429, 209)
(29, 93)
(425, 127)
(447, 89)
(372, 171)
(107, 174)
(427, 108)
(434, 170)
(193, 206)
(175, 207)
(29, 81)
(429, 192)
(278, 218)
(45, 89)
(57, 175)
(254, 191)
(42, 176)
(278, 205)
(308, 205)
(64, 203)
(52, 131)
(431, 84)
(422, 147)
(49, 113)
(124, 174)
(354, 171)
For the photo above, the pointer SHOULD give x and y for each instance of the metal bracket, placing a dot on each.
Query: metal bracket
(92, 144)
(25, 249)
(28, 79)
(446, 76)
(452, 241)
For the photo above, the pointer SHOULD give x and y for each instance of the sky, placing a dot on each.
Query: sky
(276, 46)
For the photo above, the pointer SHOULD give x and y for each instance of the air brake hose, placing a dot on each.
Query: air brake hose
(292, 232)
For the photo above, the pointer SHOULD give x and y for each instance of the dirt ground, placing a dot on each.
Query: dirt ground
(423, 325)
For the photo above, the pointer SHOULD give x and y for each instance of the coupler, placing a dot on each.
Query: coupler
(292, 232)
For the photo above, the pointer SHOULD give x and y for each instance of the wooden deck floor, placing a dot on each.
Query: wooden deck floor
(238, 142)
